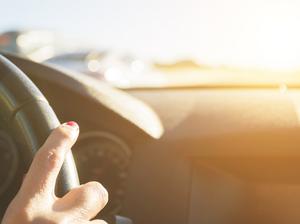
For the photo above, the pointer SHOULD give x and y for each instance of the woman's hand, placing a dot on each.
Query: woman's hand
(36, 202)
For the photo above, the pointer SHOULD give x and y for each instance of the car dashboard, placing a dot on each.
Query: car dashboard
(213, 155)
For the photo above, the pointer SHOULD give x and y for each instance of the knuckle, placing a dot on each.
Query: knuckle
(64, 133)
(54, 158)
(50, 158)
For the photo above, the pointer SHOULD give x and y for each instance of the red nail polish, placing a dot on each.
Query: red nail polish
(72, 123)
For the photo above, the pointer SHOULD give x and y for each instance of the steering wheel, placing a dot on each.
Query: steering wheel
(26, 119)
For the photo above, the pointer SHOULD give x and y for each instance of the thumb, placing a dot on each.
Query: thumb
(85, 201)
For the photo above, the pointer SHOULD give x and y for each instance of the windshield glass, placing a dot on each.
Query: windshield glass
(152, 37)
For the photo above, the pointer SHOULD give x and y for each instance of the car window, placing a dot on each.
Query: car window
(141, 41)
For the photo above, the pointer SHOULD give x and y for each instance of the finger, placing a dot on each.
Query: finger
(47, 162)
(85, 201)
(98, 221)
(95, 221)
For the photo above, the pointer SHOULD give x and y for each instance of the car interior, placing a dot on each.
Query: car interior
(222, 148)
(207, 155)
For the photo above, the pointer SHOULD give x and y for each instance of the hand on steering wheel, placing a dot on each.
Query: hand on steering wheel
(36, 202)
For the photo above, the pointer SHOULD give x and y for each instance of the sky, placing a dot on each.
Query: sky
(249, 33)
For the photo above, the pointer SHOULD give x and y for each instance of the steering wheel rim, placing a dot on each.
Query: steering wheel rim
(30, 119)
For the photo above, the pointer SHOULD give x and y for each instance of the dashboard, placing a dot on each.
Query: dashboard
(202, 155)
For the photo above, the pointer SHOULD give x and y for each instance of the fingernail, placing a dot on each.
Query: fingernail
(72, 124)
(73, 127)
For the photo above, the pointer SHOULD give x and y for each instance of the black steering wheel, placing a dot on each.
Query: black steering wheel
(26, 119)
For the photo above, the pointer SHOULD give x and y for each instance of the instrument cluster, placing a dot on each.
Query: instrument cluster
(103, 157)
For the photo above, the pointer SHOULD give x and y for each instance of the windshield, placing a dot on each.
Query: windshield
(193, 34)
